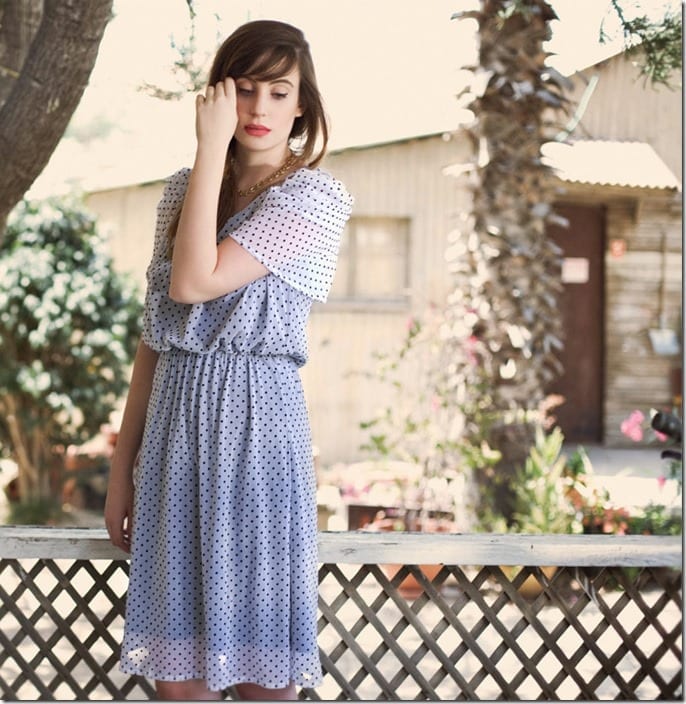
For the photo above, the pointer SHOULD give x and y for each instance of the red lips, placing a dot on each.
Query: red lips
(257, 130)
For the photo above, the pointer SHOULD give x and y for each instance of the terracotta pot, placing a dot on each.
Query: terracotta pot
(530, 587)
(410, 588)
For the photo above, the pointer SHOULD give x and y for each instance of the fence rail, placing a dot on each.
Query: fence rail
(491, 621)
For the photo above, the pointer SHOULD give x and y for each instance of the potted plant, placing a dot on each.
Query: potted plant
(543, 497)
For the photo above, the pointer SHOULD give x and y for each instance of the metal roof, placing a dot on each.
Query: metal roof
(610, 163)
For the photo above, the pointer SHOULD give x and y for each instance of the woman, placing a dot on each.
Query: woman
(215, 437)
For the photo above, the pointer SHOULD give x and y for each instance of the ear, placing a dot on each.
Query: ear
(300, 111)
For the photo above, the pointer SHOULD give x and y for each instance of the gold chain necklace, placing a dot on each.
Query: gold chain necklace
(274, 176)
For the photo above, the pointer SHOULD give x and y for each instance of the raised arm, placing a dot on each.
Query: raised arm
(201, 270)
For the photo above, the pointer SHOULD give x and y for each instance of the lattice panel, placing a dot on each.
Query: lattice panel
(60, 626)
(468, 633)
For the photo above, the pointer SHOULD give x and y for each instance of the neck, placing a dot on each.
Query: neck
(253, 164)
(262, 173)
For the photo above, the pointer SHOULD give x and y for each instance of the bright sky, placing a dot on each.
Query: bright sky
(387, 70)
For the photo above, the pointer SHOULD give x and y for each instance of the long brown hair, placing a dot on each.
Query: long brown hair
(265, 50)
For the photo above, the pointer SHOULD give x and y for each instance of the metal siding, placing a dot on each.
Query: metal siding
(624, 107)
(393, 180)
(405, 179)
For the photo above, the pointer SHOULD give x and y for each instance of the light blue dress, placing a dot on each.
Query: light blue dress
(223, 582)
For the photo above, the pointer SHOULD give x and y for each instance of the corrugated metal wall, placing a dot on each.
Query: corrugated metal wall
(405, 179)
(624, 107)
(402, 179)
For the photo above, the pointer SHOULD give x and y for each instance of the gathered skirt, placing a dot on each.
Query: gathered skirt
(223, 579)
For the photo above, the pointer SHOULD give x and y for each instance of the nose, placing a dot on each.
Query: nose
(259, 106)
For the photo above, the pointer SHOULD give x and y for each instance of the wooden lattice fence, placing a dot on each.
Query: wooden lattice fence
(605, 625)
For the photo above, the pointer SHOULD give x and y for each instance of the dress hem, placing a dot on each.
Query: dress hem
(214, 686)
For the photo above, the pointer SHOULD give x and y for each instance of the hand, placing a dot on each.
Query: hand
(119, 512)
(216, 116)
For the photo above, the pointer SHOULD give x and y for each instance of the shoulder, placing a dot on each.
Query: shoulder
(175, 186)
(170, 201)
(180, 176)
(312, 188)
(179, 179)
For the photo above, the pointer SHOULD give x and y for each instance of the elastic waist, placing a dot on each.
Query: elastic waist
(248, 356)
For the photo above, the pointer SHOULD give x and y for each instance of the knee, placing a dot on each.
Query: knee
(249, 691)
(189, 690)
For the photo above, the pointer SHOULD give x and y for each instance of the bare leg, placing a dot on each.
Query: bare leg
(253, 692)
(189, 690)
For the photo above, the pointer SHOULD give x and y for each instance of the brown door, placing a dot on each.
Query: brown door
(581, 306)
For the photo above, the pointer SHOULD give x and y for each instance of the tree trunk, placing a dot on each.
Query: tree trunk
(36, 459)
(508, 275)
(19, 20)
(48, 89)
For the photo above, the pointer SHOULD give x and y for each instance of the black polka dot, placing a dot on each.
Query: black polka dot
(223, 581)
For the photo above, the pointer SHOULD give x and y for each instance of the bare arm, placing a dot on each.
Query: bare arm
(119, 503)
(201, 270)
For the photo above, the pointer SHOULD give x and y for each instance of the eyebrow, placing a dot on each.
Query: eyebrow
(271, 83)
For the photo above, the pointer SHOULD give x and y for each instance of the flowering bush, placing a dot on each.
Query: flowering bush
(658, 518)
(441, 417)
(634, 425)
(428, 417)
(68, 328)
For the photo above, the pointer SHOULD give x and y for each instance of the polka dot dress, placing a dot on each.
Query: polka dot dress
(223, 582)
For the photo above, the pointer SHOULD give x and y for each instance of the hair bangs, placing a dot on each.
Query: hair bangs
(271, 64)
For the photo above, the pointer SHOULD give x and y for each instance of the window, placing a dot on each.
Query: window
(373, 263)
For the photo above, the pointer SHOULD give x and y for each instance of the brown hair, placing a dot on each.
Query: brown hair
(264, 50)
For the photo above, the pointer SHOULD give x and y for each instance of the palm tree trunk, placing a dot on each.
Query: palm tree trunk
(509, 273)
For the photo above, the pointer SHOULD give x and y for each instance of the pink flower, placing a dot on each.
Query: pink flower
(632, 426)
(661, 481)
(660, 436)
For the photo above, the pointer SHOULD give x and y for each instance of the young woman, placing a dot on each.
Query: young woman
(212, 486)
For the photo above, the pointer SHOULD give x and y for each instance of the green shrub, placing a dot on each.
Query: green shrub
(542, 500)
(68, 330)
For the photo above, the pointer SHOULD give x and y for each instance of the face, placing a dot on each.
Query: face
(266, 111)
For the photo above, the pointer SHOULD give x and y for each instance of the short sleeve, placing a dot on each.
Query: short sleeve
(296, 231)
(158, 307)
(167, 207)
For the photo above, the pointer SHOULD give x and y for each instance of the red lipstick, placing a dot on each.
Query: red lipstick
(257, 130)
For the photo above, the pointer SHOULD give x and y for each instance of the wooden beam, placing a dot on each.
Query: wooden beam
(363, 547)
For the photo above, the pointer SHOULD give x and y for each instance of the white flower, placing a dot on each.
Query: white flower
(98, 338)
(34, 379)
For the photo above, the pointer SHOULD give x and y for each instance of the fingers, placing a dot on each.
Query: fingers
(117, 539)
(121, 534)
(216, 114)
(121, 540)
(229, 86)
(225, 88)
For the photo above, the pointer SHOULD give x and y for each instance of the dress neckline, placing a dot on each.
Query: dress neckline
(258, 200)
